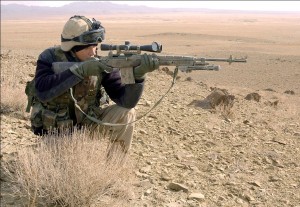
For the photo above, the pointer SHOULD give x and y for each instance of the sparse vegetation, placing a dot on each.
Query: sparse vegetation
(70, 171)
(13, 98)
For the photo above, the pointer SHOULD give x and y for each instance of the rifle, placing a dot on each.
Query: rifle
(128, 56)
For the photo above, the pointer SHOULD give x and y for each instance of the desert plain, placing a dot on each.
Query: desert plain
(247, 155)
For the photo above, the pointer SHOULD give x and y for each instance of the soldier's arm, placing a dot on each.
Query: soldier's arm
(49, 84)
(127, 95)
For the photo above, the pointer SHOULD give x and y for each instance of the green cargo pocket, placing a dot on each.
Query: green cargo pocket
(36, 115)
(49, 119)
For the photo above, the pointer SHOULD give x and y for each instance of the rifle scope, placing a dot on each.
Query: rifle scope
(154, 47)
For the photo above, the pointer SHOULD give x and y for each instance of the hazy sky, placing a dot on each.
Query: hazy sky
(235, 5)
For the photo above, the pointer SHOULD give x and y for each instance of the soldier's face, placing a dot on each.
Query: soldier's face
(86, 53)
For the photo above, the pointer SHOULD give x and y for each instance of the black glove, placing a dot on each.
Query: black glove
(148, 64)
(90, 67)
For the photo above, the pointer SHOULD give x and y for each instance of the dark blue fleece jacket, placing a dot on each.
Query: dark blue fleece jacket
(49, 84)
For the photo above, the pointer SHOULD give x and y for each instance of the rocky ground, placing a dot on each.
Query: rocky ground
(188, 152)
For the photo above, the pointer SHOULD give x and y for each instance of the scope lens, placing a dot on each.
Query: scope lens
(155, 46)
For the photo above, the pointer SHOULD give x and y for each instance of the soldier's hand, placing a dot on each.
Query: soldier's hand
(90, 67)
(148, 64)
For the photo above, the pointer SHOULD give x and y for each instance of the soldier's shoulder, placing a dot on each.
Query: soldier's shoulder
(49, 54)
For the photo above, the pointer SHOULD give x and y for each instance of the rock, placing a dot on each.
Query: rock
(142, 175)
(165, 177)
(11, 132)
(220, 96)
(255, 183)
(177, 187)
(196, 196)
(144, 183)
(253, 96)
(270, 89)
(142, 131)
(174, 204)
(147, 192)
(272, 103)
(188, 79)
(146, 169)
(249, 198)
(290, 92)
(199, 132)
(274, 178)
(279, 140)
(297, 134)
(148, 103)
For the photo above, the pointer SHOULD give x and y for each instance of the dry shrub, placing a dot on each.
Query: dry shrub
(71, 170)
(221, 101)
(225, 110)
(14, 74)
(13, 97)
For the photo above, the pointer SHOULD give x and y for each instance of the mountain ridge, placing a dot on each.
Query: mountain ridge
(18, 11)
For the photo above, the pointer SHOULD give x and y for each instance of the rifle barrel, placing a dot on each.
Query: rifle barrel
(229, 60)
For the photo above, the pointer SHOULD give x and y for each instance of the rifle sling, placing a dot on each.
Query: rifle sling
(139, 118)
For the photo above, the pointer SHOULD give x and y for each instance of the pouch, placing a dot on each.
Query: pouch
(49, 119)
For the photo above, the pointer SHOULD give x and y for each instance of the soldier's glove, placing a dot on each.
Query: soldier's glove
(148, 64)
(90, 67)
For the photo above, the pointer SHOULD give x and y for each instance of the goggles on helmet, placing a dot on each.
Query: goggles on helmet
(89, 37)
(93, 36)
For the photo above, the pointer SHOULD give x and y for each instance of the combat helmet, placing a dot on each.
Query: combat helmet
(80, 30)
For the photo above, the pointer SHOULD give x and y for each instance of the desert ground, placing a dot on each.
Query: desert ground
(243, 155)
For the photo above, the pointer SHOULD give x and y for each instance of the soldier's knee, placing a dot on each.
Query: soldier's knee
(129, 112)
(132, 112)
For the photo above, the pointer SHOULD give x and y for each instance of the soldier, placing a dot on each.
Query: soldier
(92, 82)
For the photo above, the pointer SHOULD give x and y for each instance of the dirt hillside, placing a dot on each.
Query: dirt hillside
(190, 150)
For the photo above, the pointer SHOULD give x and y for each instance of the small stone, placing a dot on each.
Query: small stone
(279, 140)
(255, 183)
(148, 192)
(249, 198)
(297, 134)
(146, 169)
(144, 183)
(152, 116)
(142, 175)
(178, 187)
(196, 196)
(253, 96)
(239, 201)
(274, 179)
(199, 132)
(148, 103)
(142, 131)
(267, 160)
(165, 177)
(290, 92)
(11, 132)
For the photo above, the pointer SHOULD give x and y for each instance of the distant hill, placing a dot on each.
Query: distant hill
(17, 11)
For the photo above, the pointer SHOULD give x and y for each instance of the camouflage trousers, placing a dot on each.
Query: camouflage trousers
(120, 136)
